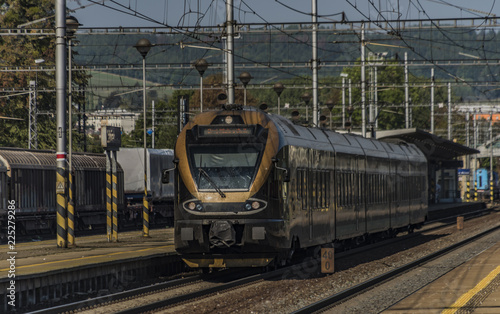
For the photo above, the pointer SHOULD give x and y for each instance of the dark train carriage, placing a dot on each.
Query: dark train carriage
(30, 180)
(253, 187)
(160, 194)
(89, 176)
(28, 177)
(3, 188)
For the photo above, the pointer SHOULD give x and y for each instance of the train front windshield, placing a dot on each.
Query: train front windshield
(224, 167)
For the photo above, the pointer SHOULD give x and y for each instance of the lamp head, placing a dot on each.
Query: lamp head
(71, 25)
(143, 46)
(245, 78)
(201, 66)
(278, 88)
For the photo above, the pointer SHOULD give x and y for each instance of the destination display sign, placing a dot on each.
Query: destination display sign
(225, 131)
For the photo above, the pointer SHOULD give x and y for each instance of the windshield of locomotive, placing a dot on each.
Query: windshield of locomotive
(224, 167)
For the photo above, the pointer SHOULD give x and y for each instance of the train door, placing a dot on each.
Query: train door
(311, 186)
(391, 199)
(402, 210)
(360, 205)
(320, 231)
(350, 218)
(302, 221)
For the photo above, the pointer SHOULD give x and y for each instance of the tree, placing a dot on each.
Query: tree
(23, 51)
(113, 101)
(212, 87)
(165, 125)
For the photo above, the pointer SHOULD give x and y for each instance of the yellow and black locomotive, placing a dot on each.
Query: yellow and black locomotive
(252, 188)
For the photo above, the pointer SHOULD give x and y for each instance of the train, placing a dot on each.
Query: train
(160, 195)
(28, 178)
(253, 188)
(483, 184)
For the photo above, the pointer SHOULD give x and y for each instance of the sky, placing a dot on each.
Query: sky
(157, 13)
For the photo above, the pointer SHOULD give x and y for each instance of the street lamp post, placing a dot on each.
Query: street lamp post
(330, 105)
(344, 76)
(278, 89)
(201, 66)
(245, 78)
(32, 129)
(71, 28)
(143, 46)
(350, 111)
(306, 97)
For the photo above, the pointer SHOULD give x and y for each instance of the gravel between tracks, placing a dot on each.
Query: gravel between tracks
(305, 286)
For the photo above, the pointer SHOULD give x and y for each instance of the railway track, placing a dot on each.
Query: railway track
(200, 289)
(338, 298)
(200, 285)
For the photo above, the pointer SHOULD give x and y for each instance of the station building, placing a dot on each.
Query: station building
(444, 162)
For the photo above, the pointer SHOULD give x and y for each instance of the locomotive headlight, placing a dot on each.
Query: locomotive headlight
(193, 205)
(255, 204)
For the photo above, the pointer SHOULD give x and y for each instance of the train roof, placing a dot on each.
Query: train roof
(291, 134)
(14, 158)
(342, 143)
(151, 151)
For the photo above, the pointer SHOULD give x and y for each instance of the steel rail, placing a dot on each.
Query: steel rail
(255, 278)
(106, 299)
(365, 286)
(116, 297)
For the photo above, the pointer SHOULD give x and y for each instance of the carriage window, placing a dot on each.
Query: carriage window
(299, 184)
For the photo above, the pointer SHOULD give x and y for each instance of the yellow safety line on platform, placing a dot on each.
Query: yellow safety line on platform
(464, 299)
(87, 257)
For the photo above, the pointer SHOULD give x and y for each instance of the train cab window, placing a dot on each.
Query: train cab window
(229, 167)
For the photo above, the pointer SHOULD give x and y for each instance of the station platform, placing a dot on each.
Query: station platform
(45, 274)
(444, 210)
(471, 287)
(43, 256)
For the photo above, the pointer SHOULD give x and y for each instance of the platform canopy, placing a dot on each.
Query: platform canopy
(434, 147)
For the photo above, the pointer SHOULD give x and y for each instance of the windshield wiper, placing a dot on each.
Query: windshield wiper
(212, 183)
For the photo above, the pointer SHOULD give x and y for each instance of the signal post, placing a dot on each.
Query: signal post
(111, 139)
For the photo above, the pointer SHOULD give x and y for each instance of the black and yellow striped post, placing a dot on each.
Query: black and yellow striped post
(491, 191)
(109, 229)
(114, 193)
(475, 191)
(111, 141)
(61, 200)
(61, 107)
(71, 211)
(145, 207)
(468, 191)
